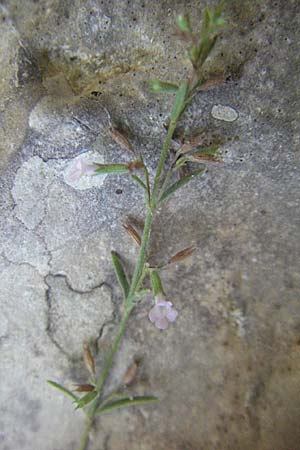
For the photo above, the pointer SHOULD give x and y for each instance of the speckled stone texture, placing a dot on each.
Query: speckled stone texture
(227, 372)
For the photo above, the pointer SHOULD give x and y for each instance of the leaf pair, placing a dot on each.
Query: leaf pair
(105, 406)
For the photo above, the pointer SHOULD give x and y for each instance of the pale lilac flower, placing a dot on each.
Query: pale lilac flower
(162, 313)
(80, 168)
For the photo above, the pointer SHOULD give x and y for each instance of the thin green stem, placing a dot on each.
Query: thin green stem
(85, 435)
(143, 274)
(114, 347)
(103, 377)
(136, 281)
(163, 156)
(137, 278)
(142, 253)
(165, 182)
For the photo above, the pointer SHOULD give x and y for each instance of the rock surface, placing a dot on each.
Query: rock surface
(227, 371)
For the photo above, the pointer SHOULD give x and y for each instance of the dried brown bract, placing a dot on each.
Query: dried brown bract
(185, 148)
(205, 158)
(135, 165)
(120, 139)
(84, 388)
(132, 232)
(183, 254)
(88, 359)
(130, 373)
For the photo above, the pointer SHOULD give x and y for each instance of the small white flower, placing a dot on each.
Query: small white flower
(162, 313)
(78, 169)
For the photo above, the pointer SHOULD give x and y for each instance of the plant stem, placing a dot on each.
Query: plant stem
(135, 282)
(103, 377)
(150, 212)
(142, 253)
(85, 435)
(114, 348)
(163, 156)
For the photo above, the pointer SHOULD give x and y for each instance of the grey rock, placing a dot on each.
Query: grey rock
(30, 191)
(27, 354)
(76, 317)
(84, 262)
(227, 371)
(22, 246)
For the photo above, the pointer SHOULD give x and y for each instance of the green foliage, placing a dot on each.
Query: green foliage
(213, 20)
(120, 273)
(156, 283)
(127, 401)
(158, 86)
(202, 43)
(179, 101)
(209, 151)
(63, 389)
(111, 168)
(146, 172)
(200, 156)
(139, 181)
(179, 184)
(85, 400)
(184, 24)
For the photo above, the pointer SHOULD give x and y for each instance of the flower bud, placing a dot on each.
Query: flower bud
(156, 284)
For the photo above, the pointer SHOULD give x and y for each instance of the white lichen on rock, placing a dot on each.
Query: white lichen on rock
(225, 113)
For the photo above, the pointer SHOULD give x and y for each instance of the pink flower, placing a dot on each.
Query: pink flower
(78, 169)
(162, 313)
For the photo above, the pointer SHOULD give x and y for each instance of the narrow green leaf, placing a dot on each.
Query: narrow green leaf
(206, 22)
(181, 162)
(193, 53)
(147, 179)
(205, 49)
(139, 181)
(210, 151)
(158, 86)
(62, 389)
(184, 24)
(111, 168)
(180, 184)
(83, 401)
(114, 396)
(127, 401)
(120, 273)
(179, 101)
